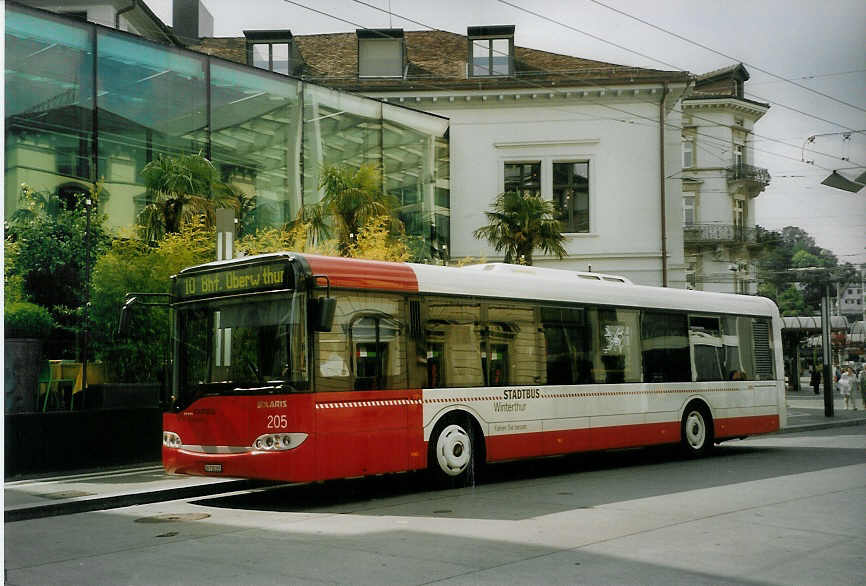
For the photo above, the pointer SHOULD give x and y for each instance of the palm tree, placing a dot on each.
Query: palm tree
(518, 223)
(181, 190)
(352, 198)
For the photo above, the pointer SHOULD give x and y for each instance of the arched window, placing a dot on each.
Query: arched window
(372, 338)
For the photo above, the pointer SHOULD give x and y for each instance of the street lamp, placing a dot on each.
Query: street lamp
(88, 204)
(825, 339)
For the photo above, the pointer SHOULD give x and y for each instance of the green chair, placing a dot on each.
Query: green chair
(52, 385)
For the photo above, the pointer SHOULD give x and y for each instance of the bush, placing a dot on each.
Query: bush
(27, 320)
(133, 266)
(45, 246)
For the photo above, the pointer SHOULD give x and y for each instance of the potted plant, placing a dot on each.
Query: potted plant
(26, 326)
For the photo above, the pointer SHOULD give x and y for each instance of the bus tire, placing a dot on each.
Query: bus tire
(453, 452)
(696, 430)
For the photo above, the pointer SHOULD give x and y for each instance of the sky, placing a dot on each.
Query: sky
(807, 59)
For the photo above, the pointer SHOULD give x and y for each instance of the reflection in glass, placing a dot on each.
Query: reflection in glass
(453, 335)
(665, 347)
(617, 358)
(708, 354)
(256, 139)
(571, 194)
(262, 55)
(49, 104)
(339, 129)
(516, 348)
(150, 101)
(243, 344)
(568, 338)
(364, 349)
(523, 177)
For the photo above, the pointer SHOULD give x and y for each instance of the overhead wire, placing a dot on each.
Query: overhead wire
(653, 121)
(575, 29)
(710, 49)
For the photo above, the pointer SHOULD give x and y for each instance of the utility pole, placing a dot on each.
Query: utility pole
(828, 351)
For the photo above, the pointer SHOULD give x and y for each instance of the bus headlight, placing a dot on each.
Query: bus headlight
(171, 440)
(272, 442)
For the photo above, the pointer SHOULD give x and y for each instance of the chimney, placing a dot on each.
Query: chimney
(191, 20)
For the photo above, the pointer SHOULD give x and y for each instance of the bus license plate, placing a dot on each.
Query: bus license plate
(213, 467)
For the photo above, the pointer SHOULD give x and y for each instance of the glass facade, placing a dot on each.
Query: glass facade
(49, 104)
(149, 101)
(84, 102)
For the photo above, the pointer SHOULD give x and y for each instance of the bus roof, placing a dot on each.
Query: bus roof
(520, 282)
(505, 281)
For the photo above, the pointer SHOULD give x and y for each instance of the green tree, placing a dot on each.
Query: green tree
(352, 199)
(181, 190)
(134, 266)
(785, 253)
(47, 242)
(791, 302)
(520, 223)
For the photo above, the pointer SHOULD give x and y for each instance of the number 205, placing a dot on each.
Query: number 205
(277, 422)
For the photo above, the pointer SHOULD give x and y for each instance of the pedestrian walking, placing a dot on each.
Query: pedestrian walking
(862, 384)
(815, 380)
(846, 384)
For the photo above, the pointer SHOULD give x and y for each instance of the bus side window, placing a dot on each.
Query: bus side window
(618, 344)
(374, 339)
(708, 354)
(365, 348)
(568, 345)
(452, 331)
(514, 345)
(665, 347)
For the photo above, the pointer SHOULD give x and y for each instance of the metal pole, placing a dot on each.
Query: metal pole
(827, 350)
(88, 203)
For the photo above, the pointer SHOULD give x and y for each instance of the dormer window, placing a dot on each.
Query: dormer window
(491, 50)
(381, 52)
(271, 50)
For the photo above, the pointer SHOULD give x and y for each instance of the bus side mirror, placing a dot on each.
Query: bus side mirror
(123, 324)
(323, 313)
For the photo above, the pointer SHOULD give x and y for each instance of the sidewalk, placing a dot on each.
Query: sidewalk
(122, 487)
(806, 411)
(77, 492)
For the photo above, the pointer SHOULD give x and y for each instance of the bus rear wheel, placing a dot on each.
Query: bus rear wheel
(696, 437)
(453, 452)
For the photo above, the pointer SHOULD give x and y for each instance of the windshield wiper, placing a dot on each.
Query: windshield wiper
(269, 386)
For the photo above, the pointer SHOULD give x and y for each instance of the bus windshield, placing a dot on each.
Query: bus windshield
(253, 344)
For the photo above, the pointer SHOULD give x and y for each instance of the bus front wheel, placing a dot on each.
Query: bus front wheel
(453, 452)
(696, 430)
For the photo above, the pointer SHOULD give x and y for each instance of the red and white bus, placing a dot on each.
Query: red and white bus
(297, 367)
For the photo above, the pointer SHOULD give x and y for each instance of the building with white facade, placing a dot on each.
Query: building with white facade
(850, 298)
(601, 140)
(720, 183)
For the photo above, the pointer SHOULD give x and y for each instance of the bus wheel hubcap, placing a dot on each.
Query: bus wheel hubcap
(696, 431)
(453, 450)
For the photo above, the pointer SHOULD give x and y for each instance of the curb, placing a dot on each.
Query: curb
(26, 513)
(825, 425)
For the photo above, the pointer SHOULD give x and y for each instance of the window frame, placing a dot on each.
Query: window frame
(570, 226)
(385, 39)
(690, 203)
(522, 162)
(490, 55)
(271, 38)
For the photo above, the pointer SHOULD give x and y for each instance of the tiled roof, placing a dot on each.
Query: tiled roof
(439, 60)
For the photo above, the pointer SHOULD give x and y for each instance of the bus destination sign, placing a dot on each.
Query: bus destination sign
(227, 281)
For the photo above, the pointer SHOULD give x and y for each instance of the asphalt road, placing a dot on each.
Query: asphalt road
(783, 509)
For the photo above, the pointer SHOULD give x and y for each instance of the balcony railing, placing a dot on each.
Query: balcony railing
(718, 233)
(742, 172)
